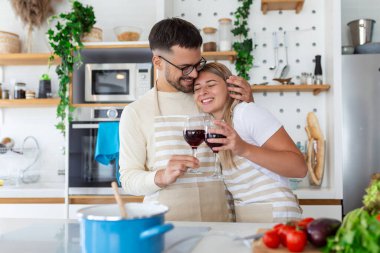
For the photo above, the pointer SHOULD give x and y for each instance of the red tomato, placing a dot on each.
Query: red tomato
(378, 217)
(296, 240)
(302, 224)
(277, 227)
(283, 232)
(271, 239)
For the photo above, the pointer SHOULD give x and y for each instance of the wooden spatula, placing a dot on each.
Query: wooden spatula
(119, 201)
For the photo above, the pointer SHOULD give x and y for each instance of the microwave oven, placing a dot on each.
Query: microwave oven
(117, 82)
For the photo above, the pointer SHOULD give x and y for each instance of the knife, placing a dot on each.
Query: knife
(251, 237)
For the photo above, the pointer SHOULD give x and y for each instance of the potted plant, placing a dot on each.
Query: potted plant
(244, 45)
(44, 89)
(65, 41)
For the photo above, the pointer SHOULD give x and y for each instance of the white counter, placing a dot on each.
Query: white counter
(63, 236)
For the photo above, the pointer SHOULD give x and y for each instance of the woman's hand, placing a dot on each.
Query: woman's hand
(240, 89)
(232, 141)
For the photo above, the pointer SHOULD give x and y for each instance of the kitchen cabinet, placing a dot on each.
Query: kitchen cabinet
(274, 5)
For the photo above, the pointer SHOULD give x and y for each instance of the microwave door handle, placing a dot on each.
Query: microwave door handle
(85, 126)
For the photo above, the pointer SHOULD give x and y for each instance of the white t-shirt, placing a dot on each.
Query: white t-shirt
(256, 125)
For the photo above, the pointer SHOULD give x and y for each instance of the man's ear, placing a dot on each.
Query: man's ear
(157, 62)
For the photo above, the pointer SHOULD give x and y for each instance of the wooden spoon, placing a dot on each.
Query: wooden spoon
(119, 201)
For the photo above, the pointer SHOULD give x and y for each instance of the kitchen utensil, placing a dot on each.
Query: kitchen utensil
(119, 201)
(361, 31)
(104, 230)
(275, 50)
(285, 69)
(254, 237)
(283, 81)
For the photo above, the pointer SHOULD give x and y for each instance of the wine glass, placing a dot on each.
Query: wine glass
(209, 127)
(194, 135)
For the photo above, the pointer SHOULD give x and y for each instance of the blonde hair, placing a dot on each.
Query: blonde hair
(226, 157)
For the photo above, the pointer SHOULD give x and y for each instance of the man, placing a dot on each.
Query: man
(154, 157)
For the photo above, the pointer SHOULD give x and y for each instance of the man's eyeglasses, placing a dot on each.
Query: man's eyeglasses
(189, 68)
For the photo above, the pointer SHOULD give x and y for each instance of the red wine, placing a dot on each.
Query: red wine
(194, 137)
(213, 145)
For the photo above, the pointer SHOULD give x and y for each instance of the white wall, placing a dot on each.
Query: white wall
(306, 35)
(39, 122)
(357, 9)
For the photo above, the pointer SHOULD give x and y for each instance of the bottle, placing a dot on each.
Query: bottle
(318, 70)
(209, 39)
(225, 34)
(1, 92)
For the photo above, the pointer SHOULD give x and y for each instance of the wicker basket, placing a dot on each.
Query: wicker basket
(9, 43)
(95, 35)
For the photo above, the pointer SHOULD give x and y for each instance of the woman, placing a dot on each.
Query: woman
(257, 154)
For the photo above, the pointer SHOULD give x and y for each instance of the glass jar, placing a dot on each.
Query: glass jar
(209, 39)
(5, 94)
(225, 34)
(19, 91)
(303, 78)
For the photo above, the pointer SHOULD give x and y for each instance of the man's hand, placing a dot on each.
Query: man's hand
(176, 167)
(240, 89)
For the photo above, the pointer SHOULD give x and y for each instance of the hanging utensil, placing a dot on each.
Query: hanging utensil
(285, 69)
(275, 51)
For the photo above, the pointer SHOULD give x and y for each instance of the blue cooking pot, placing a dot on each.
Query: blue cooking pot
(103, 230)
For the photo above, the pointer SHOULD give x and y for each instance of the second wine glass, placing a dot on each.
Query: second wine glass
(209, 127)
(194, 135)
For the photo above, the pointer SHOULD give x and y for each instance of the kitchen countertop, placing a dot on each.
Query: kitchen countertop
(63, 236)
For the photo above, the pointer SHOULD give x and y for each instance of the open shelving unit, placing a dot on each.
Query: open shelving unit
(280, 5)
(316, 89)
(26, 59)
(35, 102)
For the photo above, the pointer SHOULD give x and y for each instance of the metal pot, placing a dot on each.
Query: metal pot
(104, 230)
(361, 31)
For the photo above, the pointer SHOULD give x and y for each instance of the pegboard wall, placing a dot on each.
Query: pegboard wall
(305, 38)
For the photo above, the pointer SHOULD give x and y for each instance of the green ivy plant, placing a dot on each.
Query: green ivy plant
(244, 45)
(65, 41)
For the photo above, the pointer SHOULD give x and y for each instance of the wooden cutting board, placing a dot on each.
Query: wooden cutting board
(259, 247)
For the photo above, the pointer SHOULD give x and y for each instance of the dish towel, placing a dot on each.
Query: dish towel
(107, 145)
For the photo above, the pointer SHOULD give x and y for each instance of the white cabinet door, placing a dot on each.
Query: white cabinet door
(38, 211)
(322, 211)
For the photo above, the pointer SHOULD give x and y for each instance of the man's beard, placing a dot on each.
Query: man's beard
(177, 84)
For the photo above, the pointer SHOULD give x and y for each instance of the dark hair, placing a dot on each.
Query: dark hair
(174, 31)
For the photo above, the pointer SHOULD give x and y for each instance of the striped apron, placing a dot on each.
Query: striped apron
(193, 197)
(257, 197)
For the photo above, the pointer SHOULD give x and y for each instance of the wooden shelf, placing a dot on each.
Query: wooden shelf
(316, 89)
(280, 5)
(36, 102)
(100, 105)
(215, 56)
(27, 59)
